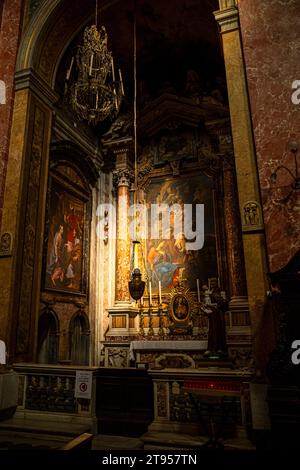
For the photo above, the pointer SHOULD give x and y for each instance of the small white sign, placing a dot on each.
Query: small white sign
(83, 384)
(2, 352)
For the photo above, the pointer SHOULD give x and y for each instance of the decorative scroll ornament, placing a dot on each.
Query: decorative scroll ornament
(96, 94)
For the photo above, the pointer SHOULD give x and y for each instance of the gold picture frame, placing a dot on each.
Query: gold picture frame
(182, 310)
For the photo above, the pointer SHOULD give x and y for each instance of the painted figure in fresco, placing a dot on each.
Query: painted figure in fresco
(73, 267)
(73, 222)
(55, 268)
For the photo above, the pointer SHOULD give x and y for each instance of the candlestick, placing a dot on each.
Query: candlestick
(198, 290)
(91, 64)
(121, 82)
(70, 69)
(159, 290)
(112, 68)
(150, 293)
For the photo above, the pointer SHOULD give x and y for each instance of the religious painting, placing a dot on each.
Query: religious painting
(180, 307)
(182, 310)
(169, 257)
(64, 261)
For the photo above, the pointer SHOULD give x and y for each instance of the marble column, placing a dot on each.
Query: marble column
(122, 180)
(234, 242)
(245, 161)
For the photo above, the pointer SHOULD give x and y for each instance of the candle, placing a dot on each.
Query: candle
(121, 82)
(91, 64)
(159, 290)
(70, 69)
(150, 293)
(112, 68)
(198, 290)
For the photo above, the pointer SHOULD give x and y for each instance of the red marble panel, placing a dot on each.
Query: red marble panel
(9, 40)
(271, 42)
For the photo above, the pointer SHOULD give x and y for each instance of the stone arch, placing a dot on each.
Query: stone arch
(48, 336)
(79, 338)
(49, 33)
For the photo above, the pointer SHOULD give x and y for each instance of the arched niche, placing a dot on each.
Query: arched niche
(48, 337)
(79, 339)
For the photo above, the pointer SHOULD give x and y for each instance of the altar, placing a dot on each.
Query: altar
(166, 353)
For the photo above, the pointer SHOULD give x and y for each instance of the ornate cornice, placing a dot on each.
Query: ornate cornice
(122, 145)
(65, 131)
(29, 79)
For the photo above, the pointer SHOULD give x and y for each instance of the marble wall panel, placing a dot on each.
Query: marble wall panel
(271, 43)
(9, 40)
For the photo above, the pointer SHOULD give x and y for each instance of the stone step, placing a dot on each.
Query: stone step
(50, 427)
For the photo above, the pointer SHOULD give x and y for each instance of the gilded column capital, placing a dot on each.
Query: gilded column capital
(227, 17)
(122, 177)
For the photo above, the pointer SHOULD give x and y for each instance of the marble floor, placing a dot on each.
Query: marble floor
(37, 434)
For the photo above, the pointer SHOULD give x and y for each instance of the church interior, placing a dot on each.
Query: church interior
(149, 224)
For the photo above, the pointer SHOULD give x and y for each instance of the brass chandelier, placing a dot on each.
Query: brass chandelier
(97, 93)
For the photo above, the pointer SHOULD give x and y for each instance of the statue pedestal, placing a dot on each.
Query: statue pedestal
(8, 393)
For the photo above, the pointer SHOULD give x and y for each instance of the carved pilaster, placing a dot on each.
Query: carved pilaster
(27, 256)
(227, 16)
(254, 247)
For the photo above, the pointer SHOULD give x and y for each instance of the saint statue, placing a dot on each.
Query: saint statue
(216, 347)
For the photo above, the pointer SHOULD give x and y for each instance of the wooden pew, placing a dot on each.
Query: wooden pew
(82, 442)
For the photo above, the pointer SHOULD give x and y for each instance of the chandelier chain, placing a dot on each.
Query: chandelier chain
(135, 107)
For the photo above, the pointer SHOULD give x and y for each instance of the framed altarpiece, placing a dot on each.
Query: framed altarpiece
(168, 260)
(66, 245)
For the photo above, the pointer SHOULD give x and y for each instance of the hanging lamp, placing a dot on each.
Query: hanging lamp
(136, 284)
